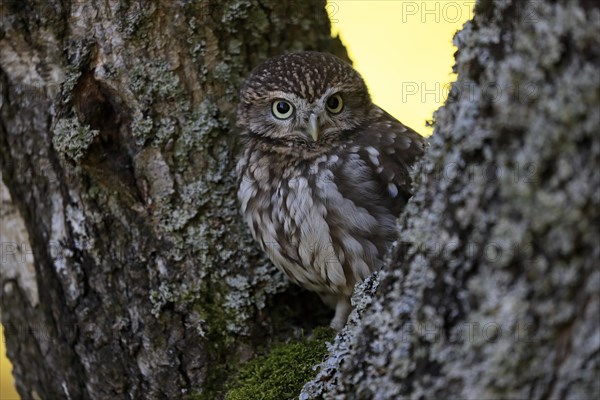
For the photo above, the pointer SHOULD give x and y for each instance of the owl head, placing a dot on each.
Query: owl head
(303, 98)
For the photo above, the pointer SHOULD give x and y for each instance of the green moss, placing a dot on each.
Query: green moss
(281, 373)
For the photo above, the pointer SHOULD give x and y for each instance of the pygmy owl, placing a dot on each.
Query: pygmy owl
(324, 173)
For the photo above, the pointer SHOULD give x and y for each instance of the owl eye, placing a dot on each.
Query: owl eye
(335, 104)
(282, 109)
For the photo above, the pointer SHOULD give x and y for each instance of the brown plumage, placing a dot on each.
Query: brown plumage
(324, 173)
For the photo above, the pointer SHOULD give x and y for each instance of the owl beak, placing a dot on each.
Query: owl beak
(313, 126)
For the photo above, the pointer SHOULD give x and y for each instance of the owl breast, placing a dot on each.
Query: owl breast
(319, 220)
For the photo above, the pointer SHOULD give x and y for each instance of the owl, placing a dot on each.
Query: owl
(324, 173)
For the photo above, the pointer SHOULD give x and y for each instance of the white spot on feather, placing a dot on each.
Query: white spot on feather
(246, 191)
(392, 189)
(374, 160)
(372, 151)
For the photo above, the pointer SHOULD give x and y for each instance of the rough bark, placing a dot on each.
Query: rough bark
(493, 292)
(133, 276)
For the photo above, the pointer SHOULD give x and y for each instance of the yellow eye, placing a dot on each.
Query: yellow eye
(335, 104)
(282, 109)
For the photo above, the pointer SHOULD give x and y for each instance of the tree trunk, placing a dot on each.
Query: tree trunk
(493, 292)
(133, 276)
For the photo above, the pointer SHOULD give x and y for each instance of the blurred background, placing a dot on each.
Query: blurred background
(404, 51)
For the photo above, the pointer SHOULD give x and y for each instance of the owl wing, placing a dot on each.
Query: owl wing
(389, 149)
(371, 186)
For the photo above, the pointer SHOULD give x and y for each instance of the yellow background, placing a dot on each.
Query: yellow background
(404, 51)
(7, 391)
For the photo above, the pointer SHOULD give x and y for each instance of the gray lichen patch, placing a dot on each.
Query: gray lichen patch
(71, 139)
(200, 123)
(157, 82)
(181, 294)
(141, 126)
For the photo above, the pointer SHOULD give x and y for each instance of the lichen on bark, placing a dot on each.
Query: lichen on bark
(152, 287)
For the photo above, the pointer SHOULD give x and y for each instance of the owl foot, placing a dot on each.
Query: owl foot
(342, 311)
